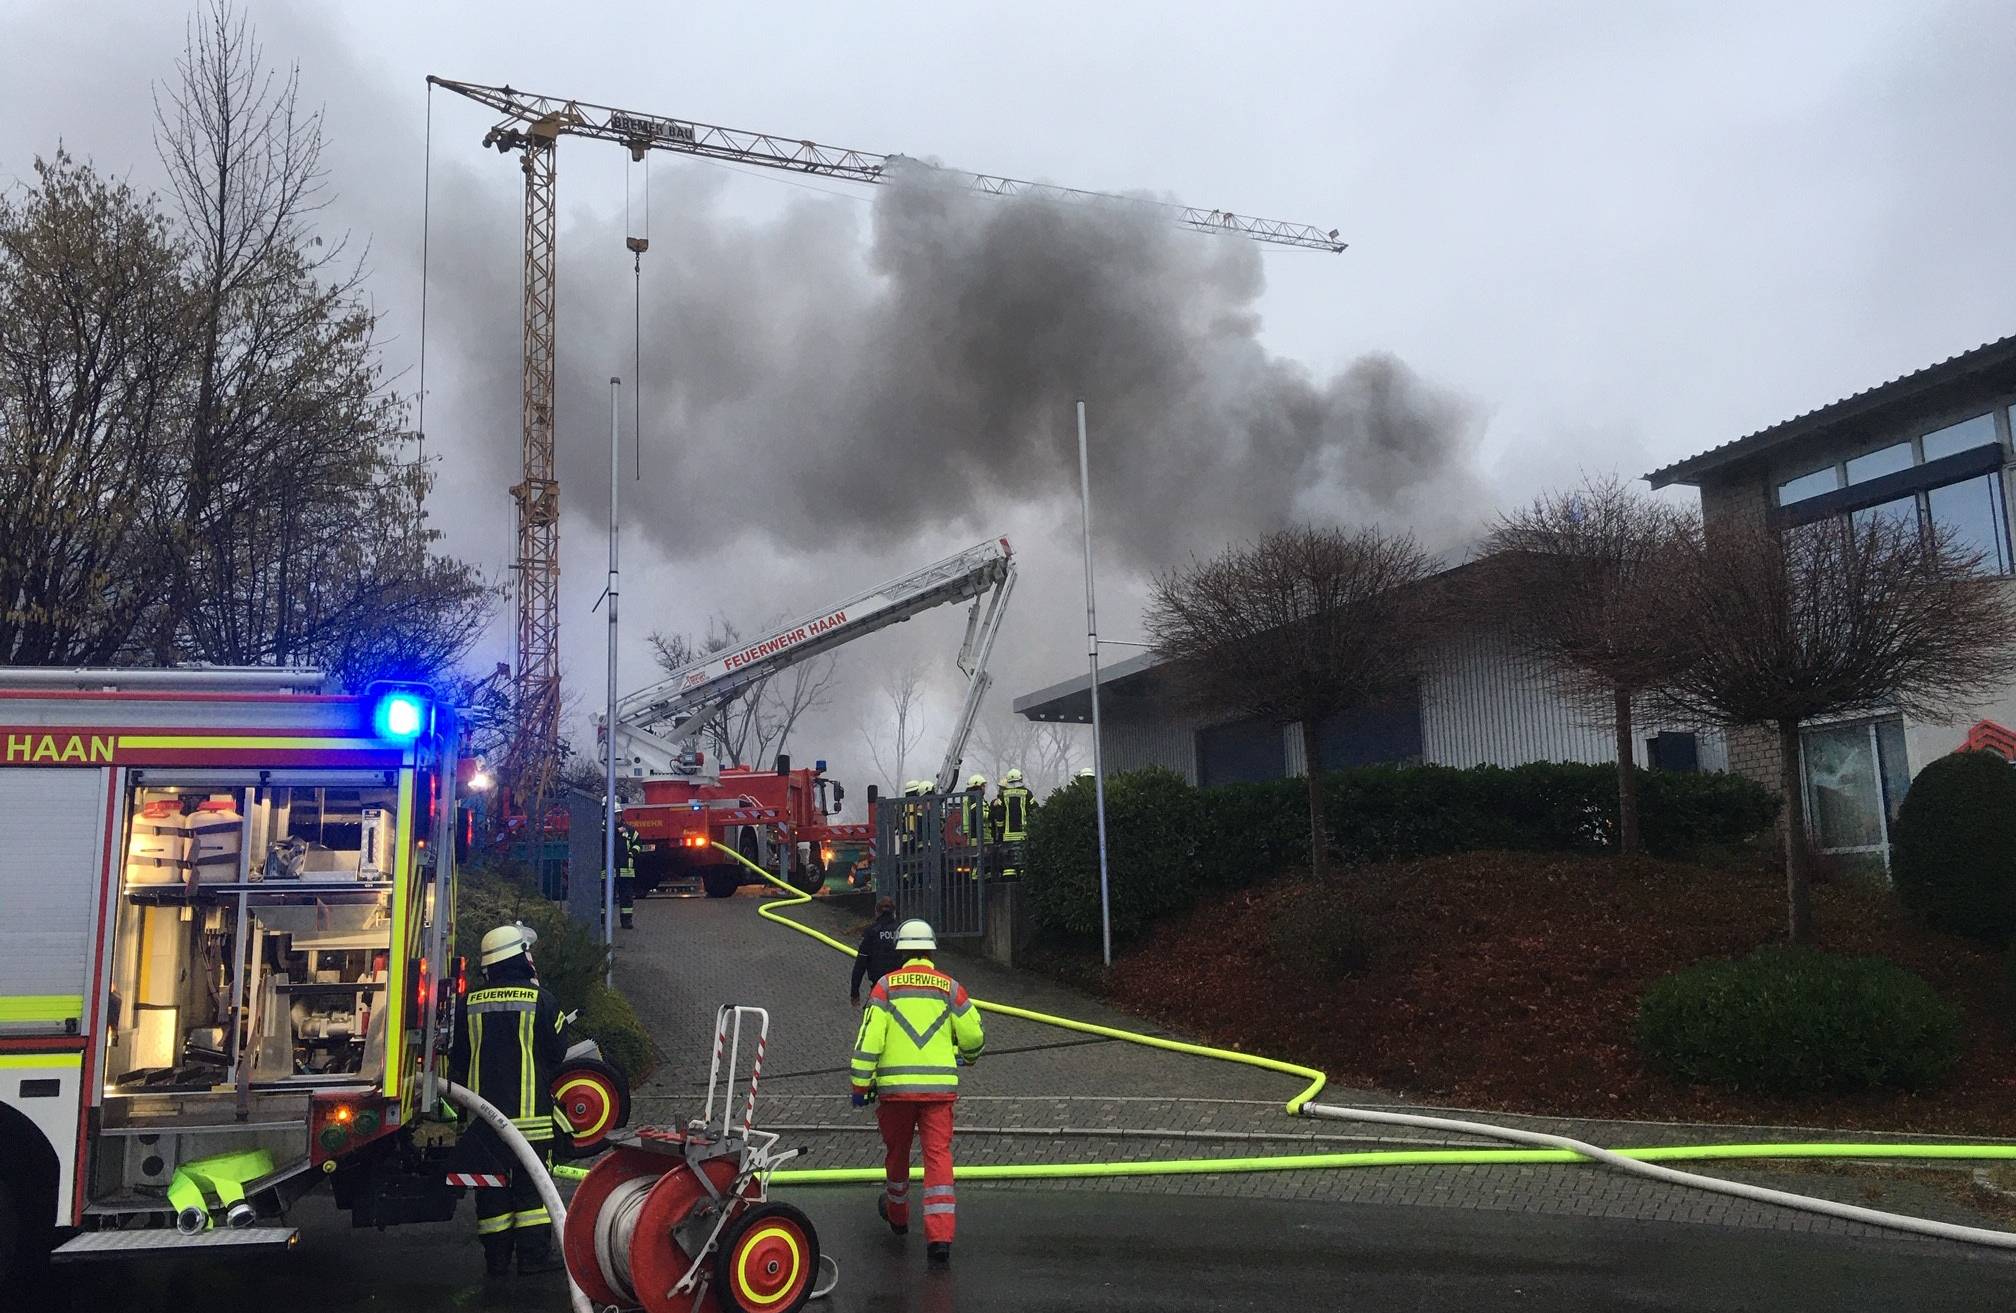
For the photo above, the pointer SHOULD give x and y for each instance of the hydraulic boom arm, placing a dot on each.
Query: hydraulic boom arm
(655, 724)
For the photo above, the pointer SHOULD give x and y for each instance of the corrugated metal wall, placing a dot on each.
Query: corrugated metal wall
(1479, 707)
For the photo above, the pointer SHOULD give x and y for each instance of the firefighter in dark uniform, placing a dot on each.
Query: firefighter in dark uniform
(508, 1049)
(1012, 805)
(626, 875)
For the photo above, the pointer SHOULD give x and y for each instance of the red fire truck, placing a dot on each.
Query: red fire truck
(224, 965)
(782, 819)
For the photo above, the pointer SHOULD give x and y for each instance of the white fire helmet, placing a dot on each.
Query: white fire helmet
(977, 781)
(507, 941)
(1012, 777)
(915, 936)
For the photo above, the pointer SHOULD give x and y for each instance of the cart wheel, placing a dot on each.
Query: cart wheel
(593, 1098)
(767, 1261)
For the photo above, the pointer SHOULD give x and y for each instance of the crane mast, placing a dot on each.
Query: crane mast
(532, 125)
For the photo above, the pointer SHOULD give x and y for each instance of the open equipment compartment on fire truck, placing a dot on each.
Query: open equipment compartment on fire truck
(228, 897)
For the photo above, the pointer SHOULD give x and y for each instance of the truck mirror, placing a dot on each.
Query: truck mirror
(840, 793)
(783, 764)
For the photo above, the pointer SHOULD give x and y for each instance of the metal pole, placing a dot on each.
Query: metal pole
(609, 713)
(1092, 653)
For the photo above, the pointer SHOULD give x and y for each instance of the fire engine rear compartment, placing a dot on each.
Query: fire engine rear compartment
(252, 933)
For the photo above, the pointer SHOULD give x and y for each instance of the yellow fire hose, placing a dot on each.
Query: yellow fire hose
(1623, 1158)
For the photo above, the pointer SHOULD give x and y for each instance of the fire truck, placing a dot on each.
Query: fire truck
(224, 970)
(783, 819)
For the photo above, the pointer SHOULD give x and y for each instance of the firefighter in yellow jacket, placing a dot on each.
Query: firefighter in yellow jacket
(918, 1029)
(508, 1049)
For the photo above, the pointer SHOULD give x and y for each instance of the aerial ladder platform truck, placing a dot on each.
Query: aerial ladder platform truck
(783, 819)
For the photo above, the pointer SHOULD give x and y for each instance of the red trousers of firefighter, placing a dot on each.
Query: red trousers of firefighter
(930, 1120)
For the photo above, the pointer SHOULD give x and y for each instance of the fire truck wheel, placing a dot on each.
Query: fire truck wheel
(767, 1261)
(719, 883)
(810, 876)
(24, 1247)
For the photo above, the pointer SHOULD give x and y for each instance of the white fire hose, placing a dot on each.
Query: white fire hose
(1848, 1212)
(530, 1163)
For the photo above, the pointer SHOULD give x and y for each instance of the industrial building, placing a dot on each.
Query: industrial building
(1933, 444)
(1475, 702)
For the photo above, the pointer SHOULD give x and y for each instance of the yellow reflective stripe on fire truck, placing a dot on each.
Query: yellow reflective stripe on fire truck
(139, 741)
(14, 1060)
(41, 1007)
(402, 872)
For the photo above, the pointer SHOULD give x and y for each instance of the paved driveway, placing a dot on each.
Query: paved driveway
(1047, 1095)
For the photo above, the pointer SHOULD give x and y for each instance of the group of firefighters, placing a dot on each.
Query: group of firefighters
(917, 1029)
(1003, 819)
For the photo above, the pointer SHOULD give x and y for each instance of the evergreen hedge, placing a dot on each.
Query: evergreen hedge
(1169, 841)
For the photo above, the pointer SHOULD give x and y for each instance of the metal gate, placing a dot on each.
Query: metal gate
(923, 862)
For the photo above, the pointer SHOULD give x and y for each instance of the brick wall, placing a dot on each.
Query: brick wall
(1743, 497)
(1739, 498)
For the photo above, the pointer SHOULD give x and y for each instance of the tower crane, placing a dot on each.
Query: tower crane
(532, 125)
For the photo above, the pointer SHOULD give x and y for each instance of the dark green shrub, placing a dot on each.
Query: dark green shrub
(1953, 855)
(1250, 829)
(1683, 815)
(1151, 833)
(1795, 1021)
(1182, 841)
(572, 961)
(1318, 934)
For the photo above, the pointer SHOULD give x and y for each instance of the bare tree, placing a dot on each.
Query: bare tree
(296, 514)
(1296, 627)
(891, 742)
(1833, 619)
(1058, 748)
(1003, 741)
(1576, 579)
(783, 699)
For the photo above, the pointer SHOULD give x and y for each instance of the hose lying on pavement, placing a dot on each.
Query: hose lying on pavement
(1547, 1148)
(1972, 1235)
(529, 1162)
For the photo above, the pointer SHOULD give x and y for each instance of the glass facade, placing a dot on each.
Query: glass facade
(1971, 510)
(1856, 778)
(1974, 516)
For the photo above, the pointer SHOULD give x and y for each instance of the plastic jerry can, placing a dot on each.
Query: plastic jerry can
(216, 833)
(158, 851)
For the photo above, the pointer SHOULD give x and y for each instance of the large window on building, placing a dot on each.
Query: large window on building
(1949, 478)
(1856, 777)
(1243, 751)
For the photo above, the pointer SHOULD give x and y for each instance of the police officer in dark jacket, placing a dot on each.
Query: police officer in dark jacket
(508, 1049)
(877, 956)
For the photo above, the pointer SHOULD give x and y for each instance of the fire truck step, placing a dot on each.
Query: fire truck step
(94, 1244)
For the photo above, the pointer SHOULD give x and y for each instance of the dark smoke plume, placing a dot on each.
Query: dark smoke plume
(805, 387)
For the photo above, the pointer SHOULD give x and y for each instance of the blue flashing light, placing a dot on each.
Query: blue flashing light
(819, 766)
(400, 716)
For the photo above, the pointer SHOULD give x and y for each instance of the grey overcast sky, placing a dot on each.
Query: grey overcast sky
(1585, 236)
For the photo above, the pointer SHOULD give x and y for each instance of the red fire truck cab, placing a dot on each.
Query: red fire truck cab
(779, 819)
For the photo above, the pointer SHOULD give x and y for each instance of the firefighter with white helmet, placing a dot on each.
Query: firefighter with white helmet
(973, 810)
(507, 1050)
(919, 1028)
(1013, 803)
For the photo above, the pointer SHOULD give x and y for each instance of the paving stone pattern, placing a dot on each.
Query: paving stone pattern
(1044, 1095)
